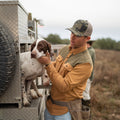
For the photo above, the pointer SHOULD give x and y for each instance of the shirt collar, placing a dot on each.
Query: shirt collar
(78, 50)
(90, 47)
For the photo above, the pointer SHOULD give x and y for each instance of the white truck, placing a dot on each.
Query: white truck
(17, 32)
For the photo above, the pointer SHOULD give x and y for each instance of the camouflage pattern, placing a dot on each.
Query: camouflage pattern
(81, 28)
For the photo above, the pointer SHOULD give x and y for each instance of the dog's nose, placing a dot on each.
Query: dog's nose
(33, 55)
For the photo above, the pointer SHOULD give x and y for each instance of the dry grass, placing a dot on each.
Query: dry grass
(105, 90)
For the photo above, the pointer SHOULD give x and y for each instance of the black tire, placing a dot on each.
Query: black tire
(7, 59)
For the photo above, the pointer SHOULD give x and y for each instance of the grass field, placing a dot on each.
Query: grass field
(105, 89)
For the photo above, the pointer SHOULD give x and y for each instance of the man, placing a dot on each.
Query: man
(86, 93)
(69, 74)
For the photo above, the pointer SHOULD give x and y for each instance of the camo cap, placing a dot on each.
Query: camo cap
(90, 41)
(81, 28)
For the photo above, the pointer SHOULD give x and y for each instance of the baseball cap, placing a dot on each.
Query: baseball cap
(90, 41)
(81, 28)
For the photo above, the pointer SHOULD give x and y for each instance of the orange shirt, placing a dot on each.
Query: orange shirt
(68, 83)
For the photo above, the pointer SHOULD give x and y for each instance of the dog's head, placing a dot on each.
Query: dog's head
(40, 48)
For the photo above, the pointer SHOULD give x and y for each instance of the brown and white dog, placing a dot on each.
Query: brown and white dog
(32, 69)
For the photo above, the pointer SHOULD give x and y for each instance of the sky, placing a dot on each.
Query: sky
(57, 15)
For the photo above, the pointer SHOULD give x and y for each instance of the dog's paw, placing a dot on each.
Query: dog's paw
(33, 94)
(39, 94)
(26, 102)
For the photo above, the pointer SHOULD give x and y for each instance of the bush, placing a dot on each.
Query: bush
(106, 43)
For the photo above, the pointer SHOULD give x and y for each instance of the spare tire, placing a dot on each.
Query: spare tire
(7, 58)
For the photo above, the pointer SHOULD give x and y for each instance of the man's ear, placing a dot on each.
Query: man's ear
(88, 38)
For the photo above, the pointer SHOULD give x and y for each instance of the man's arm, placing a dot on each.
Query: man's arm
(78, 76)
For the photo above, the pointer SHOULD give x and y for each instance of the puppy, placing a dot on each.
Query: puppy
(31, 68)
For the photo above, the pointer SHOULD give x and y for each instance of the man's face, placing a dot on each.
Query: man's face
(77, 41)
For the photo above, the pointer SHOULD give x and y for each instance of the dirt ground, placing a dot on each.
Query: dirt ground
(105, 89)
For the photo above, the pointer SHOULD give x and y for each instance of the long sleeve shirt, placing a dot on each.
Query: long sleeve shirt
(92, 54)
(68, 80)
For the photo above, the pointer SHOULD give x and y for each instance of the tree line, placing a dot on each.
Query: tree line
(107, 43)
(55, 39)
(102, 43)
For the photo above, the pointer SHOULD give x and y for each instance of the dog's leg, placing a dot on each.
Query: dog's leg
(34, 94)
(25, 99)
(29, 82)
(24, 95)
(36, 89)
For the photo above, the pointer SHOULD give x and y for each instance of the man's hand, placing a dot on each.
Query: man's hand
(45, 59)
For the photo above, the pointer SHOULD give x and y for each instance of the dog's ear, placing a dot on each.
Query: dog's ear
(49, 47)
(33, 45)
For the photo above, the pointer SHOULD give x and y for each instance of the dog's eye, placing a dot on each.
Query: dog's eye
(46, 76)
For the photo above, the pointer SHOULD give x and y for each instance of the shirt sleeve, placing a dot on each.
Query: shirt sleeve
(79, 74)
